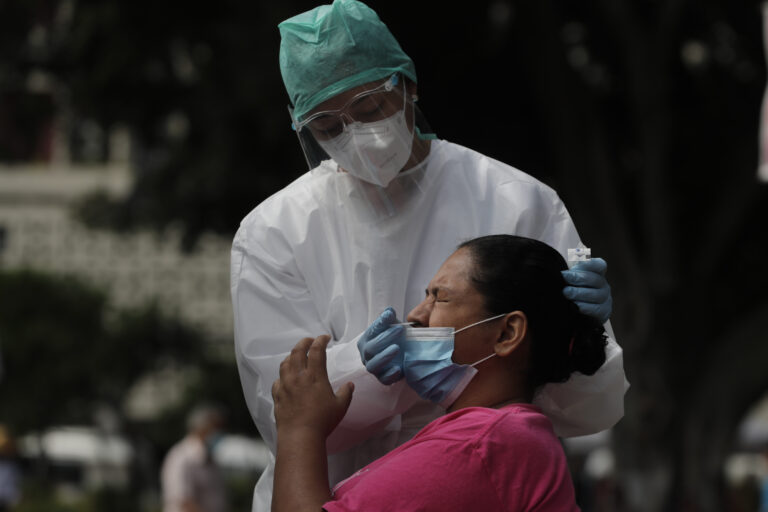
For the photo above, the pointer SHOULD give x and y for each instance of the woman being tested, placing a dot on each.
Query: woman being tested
(494, 313)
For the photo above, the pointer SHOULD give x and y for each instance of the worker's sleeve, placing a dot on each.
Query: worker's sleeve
(273, 310)
(584, 404)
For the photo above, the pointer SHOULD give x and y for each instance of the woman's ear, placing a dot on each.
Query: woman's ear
(514, 332)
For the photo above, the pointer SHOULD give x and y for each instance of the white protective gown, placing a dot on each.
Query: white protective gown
(322, 257)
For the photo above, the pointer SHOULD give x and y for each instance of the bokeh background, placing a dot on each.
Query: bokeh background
(134, 136)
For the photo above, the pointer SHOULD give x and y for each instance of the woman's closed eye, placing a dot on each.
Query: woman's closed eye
(436, 295)
(442, 297)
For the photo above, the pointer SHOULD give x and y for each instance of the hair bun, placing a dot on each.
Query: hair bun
(587, 353)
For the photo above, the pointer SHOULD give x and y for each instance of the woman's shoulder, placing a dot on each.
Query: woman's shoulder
(481, 422)
(526, 422)
(521, 432)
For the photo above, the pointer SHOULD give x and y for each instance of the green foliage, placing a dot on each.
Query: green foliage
(51, 330)
(38, 496)
(113, 500)
(22, 112)
(214, 381)
(142, 340)
(240, 490)
(65, 349)
(220, 383)
(198, 99)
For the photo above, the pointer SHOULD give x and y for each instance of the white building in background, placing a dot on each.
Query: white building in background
(37, 231)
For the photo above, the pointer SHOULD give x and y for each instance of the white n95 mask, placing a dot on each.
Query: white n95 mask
(428, 365)
(374, 152)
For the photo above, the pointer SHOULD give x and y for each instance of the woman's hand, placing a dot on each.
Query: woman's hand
(304, 399)
(306, 412)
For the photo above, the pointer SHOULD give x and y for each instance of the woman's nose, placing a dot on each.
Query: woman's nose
(420, 314)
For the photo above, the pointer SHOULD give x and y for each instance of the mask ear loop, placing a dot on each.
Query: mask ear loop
(480, 322)
(483, 359)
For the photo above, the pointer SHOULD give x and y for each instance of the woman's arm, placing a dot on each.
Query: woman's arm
(273, 308)
(306, 412)
(301, 472)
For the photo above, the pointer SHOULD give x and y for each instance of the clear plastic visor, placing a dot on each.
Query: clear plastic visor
(368, 106)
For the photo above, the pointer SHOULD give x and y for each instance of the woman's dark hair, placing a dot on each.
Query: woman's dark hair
(521, 274)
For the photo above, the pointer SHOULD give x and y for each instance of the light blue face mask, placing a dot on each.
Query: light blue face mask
(212, 441)
(428, 366)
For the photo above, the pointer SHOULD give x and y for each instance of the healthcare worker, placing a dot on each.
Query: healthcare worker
(383, 205)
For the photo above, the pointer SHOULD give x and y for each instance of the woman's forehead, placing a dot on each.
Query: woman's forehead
(455, 272)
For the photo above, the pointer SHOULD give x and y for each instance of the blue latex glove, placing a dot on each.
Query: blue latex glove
(379, 348)
(589, 289)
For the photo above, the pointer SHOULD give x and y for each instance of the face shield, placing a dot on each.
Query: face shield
(370, 135)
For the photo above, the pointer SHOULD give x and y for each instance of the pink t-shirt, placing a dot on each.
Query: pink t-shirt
(472, 459)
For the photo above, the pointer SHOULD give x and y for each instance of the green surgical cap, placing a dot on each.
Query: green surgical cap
(333, 48)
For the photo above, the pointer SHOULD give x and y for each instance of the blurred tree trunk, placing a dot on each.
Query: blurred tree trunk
(731, 386)
(671, 445)
(587, 171)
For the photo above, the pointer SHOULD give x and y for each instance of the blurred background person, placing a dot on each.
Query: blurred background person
(190, 479)
(10, 492)
(764, 483)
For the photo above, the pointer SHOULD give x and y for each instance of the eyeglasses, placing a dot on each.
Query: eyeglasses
(369, 106)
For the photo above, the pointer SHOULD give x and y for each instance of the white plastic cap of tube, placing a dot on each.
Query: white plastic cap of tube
(580, 253)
